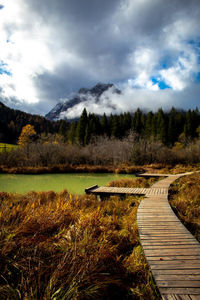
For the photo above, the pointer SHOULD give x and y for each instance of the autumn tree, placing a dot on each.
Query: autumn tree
(26, 137)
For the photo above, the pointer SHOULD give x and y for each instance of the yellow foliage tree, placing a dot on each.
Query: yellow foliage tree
(26, 135)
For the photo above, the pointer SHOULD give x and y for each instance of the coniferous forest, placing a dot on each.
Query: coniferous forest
(132, 138)
(165, 127)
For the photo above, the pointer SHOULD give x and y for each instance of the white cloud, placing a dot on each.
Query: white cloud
(23, 50)
(53, 48)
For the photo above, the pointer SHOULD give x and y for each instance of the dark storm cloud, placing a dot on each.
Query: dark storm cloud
(120, 41)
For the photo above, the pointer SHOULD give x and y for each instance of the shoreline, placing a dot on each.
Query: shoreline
(85, 168)
(60, 169)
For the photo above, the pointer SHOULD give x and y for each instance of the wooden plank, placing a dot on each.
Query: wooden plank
(170, 252)
(174, 266)
(176, 297)
(177, 247)
(194, 297)
(151, 229)
(160, 238)
(176, 272)
(163, 234)
(88, 190)
(178, 283)
(177, 277)
(161, 227)
(151, 259)
(180, 291)
(170, 297)
(169, 243)
(193, 264)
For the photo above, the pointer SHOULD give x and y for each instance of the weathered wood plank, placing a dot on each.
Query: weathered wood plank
(184, 264)
(170, 297)
(177, 277)
(194, 297)
(176, 272)
(178, 283)
(177, 247)
(174, 266)
(180, 291)
(176, 297)
(151, 259)
(160, 238)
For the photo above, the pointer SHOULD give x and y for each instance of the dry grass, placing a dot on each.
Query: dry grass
(171, 169)
(185, 199)
(68, 168)
(132, 183)
(58, 246)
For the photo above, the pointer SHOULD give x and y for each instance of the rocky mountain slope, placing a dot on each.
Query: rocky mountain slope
(61, 109)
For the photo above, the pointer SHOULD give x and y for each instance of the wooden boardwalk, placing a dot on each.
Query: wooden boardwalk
(108, 191)
(173, 254)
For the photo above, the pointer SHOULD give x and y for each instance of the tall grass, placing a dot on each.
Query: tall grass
(185, 200)
(132, 183)
(61, 246)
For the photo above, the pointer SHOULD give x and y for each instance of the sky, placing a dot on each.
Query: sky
(50, 49)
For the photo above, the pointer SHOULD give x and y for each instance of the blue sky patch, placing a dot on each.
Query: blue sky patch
(198, 77)
(165, 63)
(1, 6)
(161, 84)
(3, 71)
(194, 43)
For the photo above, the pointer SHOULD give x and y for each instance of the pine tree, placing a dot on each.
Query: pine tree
(115, 127)
(172, 130)
(149, 125)
(63, 129)
(81, 128)
(137, 121)
(127, 122)
(104, 125)
(188, 124)
(161, 126)
(72, 133)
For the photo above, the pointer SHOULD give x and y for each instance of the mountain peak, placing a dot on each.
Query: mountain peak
(60, 111)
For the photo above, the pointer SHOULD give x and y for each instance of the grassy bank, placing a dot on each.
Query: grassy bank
(124, 169)
(7, 147)
(185, 200)
(85, 168)
(57, 246)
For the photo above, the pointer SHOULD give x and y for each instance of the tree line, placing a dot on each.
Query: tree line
(167, 128)
(12, 121)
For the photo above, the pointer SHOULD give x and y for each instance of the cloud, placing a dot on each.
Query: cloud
(132, 98)
(50, 49)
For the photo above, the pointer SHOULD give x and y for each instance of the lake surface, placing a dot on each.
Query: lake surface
(74, 183)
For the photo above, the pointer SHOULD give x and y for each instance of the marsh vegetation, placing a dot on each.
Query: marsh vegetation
(185, 200)
(61, 246)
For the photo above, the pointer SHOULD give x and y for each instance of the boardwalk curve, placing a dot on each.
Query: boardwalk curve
(172, 252)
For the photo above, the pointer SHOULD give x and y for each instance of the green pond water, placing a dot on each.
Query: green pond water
(74, 183)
